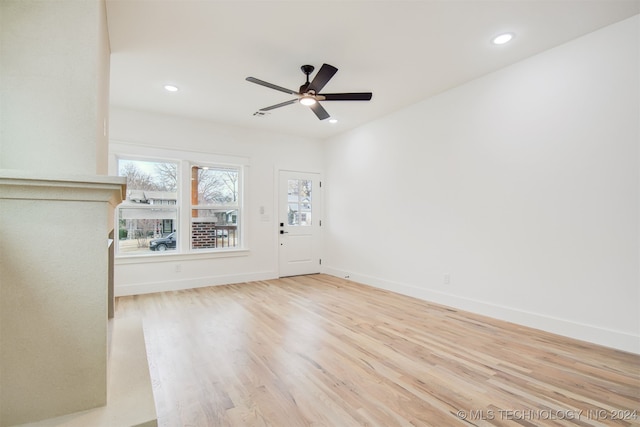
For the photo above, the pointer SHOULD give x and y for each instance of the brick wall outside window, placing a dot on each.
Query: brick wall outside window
(203, 235)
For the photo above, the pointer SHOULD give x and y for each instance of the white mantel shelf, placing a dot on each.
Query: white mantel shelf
(19, 184)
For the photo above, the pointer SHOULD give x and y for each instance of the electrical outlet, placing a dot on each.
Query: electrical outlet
(178, 268)
(447, 279)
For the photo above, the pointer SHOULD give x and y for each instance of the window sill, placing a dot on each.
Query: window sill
(155, 257)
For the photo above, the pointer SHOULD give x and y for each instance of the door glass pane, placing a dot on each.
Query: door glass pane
(299, 201)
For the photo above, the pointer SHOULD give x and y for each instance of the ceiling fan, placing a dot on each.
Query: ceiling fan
(309, 93)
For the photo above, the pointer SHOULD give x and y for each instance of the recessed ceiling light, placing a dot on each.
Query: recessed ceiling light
(332, 121)
(503, 38)
(171, 88)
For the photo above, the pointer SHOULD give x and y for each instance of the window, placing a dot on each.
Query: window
(299, 201)
(148, 218)
(214, 207)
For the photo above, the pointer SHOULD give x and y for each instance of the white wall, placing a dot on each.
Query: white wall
(55, 86)
(148, 134)
(522, 186)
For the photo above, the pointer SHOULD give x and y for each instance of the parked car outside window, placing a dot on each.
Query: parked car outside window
(163, 243)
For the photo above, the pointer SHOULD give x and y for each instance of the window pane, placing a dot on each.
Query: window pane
(214, 186)
(148, 176)
(299, 200)
(214, 207)
(146, 230)
(147, 219)
(214, 228)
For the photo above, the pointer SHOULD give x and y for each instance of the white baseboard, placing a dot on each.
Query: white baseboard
(590, 333)
(199, 282)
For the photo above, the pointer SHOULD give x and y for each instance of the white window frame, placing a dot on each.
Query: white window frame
(151, 207)
(237, 206)
(184, 159)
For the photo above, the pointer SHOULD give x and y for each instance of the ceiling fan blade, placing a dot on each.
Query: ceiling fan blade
(358, 96)
(320, 111)
(270, 85)
(322, 77)
(282, 104)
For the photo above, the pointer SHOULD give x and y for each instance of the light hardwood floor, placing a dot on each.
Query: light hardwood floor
(322, 351)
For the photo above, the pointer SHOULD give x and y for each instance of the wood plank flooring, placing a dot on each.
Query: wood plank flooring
(321, 351)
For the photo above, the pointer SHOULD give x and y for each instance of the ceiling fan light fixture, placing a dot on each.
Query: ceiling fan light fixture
(307, 100)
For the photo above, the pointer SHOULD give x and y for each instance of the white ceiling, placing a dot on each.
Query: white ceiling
(402, 51)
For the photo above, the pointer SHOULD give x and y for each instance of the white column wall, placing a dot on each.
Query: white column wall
(515, 195)
(55, 86)
(54, 68)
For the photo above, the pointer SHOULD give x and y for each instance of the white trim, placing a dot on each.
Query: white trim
(199, 282)
(606, 337)
(154, 257)
(124, 148)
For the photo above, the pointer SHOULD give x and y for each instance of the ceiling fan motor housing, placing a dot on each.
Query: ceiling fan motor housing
(304, 87)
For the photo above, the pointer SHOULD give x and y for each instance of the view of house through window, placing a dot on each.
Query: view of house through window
(148, 218)
(214, 207)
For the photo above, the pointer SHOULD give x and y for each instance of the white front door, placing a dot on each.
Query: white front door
(299, 223)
